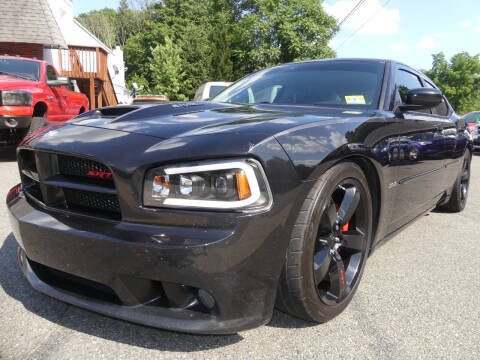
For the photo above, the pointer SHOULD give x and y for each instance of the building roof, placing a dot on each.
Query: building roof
(29, 21)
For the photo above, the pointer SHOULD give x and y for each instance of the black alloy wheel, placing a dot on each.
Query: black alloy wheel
(328, 246)
(465, 180)
(459, 196)
(341, 242)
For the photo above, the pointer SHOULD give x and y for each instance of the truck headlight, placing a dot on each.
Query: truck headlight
(236, 185)
(15, 98)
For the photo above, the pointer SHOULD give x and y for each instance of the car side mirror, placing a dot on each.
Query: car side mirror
(424, 97)
(61, 80)
(420, 98)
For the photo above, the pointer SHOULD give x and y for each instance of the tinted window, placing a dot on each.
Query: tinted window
(24, 69)
(214, 90)
(332, 83)
(405, 81)
(441, 109)
(472, 117)
(51, 74)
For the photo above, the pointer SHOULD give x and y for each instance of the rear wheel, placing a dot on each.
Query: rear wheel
(328, 247)
(459, 196)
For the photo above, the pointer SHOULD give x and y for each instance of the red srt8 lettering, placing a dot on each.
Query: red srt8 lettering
(100, 174)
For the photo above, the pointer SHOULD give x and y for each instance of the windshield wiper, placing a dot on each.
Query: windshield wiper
(15, 75)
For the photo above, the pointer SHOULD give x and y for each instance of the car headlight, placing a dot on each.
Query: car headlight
(15, 98)
(231, 185)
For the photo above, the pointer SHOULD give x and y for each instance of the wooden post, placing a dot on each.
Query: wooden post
(60, 62)
(100, 94)
(92, 92)
(98, 68)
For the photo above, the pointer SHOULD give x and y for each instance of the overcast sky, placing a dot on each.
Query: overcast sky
(406, 30)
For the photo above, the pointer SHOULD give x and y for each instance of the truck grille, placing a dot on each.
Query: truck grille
(70, 183)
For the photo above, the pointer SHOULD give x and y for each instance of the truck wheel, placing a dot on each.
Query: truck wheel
(36, 124)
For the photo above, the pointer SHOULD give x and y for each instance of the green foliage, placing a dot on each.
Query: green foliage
(102, 24)
(278, 31)
(459, 80)
(173, 46)
(167, 77)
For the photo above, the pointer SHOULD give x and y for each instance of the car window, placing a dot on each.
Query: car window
(330, 83)
(405, 81)
(472, 118)
(215, 89)
(51, 74)
(442, 108)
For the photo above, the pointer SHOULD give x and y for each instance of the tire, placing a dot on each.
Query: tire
(459, 196)
(302, 290)
(36, 124)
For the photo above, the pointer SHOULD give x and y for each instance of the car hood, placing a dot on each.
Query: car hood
(196, 118)
(11, 82)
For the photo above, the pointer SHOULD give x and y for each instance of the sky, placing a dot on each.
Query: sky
(406, 30)
(83, 6)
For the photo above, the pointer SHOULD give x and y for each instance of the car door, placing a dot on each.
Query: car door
(56, 96)
(453, 137)
(73, 101)
(419, 166)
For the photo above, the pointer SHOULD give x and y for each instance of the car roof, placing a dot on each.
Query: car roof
(21, 58)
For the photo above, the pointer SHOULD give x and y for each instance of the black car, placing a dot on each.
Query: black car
(203, 216)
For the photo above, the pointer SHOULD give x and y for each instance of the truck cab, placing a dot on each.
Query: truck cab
(32, 93)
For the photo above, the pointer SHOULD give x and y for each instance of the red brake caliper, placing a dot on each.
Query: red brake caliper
(346, 226)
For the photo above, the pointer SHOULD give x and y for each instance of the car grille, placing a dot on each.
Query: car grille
(69, 183)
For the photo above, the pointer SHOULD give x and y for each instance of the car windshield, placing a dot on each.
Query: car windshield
(328, 83)
(215, 89)
(472, 117)
(23, 69)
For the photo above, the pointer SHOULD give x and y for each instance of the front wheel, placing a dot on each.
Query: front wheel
(328, 246)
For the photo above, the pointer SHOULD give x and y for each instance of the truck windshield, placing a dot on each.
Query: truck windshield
(322, 83)
(23, 69)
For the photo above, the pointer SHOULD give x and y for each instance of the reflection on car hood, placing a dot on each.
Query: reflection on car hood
(195, 118)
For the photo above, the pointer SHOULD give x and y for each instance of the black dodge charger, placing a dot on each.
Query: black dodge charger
(203, 216)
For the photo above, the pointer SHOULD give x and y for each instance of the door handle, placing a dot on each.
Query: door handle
(64, 96)
(49, 97)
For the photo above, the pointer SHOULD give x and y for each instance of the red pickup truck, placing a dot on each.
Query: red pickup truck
(32, 93)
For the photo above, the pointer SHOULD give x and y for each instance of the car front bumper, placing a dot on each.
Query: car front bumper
(476, 140)
(14, 122)
(151, 272)
(13, 129)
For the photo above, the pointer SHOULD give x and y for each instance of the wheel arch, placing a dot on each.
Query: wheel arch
(40, 109)
(371, 173)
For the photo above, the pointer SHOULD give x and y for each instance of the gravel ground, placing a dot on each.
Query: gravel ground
(419, 299)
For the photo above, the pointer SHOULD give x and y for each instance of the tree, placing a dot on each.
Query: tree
(102, 24)
(166, 74)
(459, 80)
(278, 31)
(215, 39)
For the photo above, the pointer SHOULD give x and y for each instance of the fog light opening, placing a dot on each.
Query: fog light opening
(11, 123)
(206, 299)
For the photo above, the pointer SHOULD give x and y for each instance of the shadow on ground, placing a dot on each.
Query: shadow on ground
(16, 286)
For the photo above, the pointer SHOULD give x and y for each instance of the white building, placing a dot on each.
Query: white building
(76, 36)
